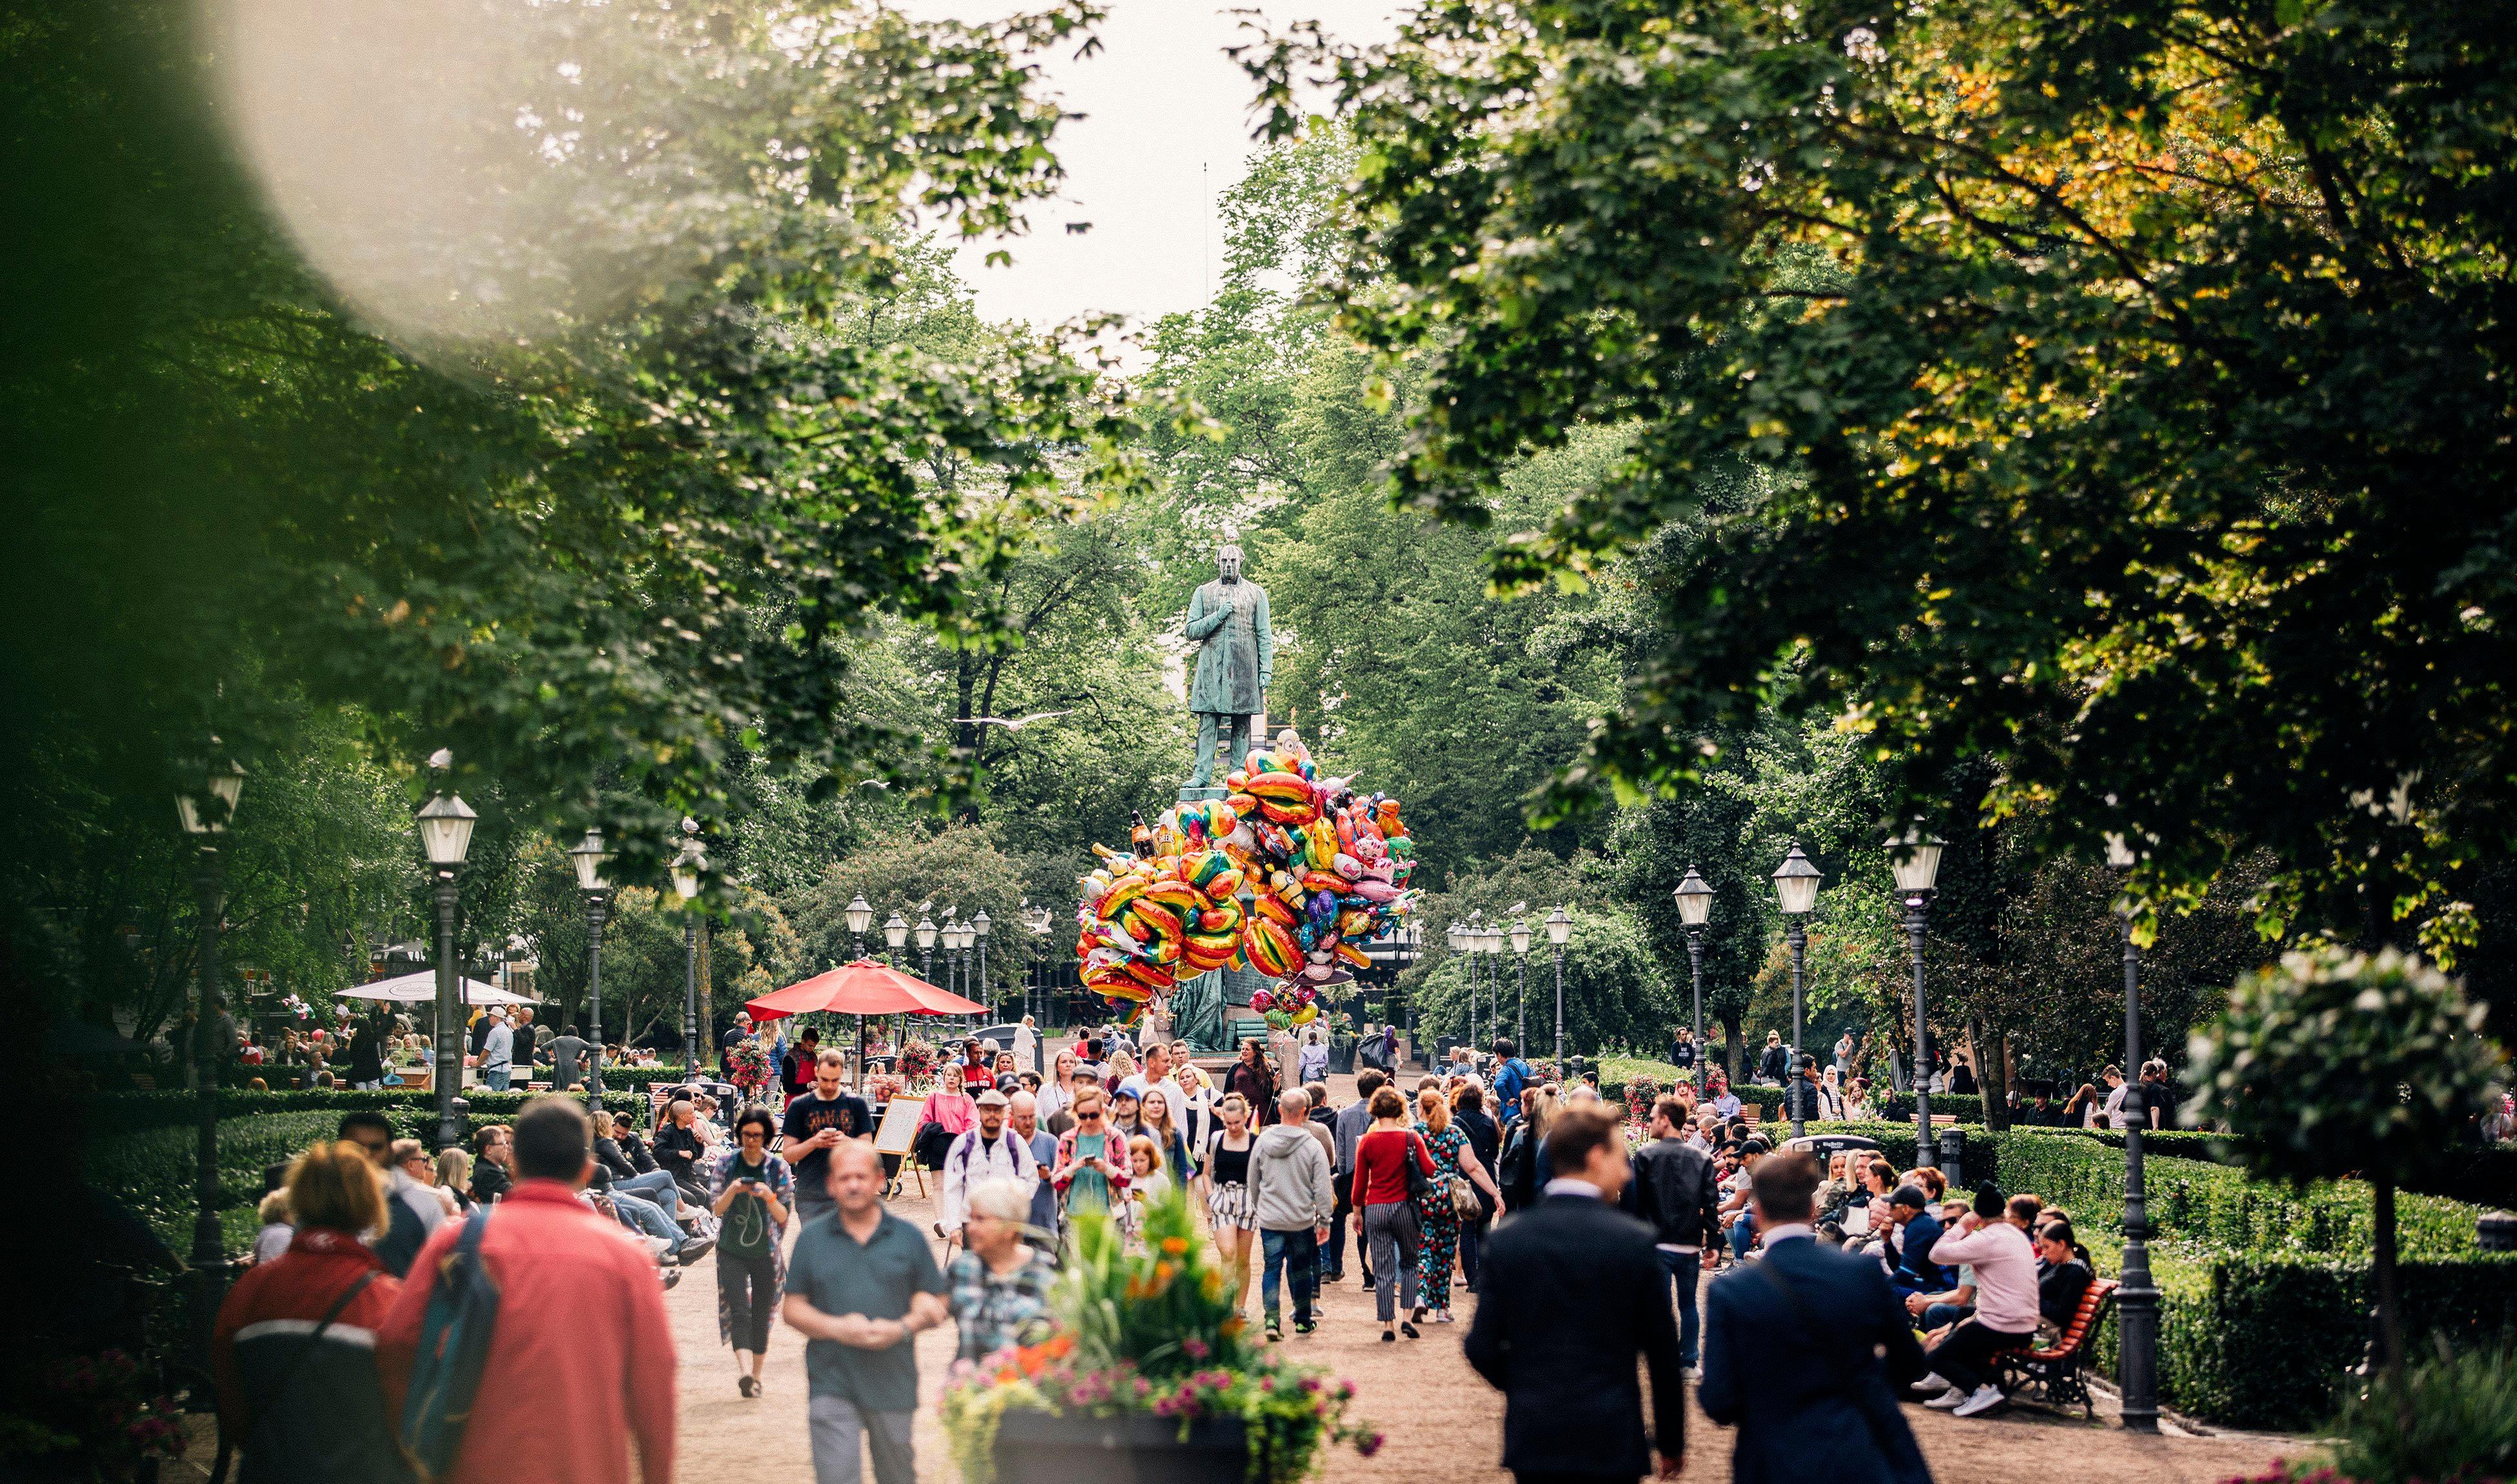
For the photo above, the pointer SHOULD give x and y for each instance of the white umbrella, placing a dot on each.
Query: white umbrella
(421, 989)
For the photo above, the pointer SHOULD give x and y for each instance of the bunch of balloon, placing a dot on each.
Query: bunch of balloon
(1288, 874)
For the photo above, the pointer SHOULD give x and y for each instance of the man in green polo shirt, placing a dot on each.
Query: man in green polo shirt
(860, 1286)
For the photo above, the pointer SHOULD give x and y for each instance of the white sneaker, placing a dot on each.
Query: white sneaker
(1985, 1398)
(1948, 1400)
(657, 1246)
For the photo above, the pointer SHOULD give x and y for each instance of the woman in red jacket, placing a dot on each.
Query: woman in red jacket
(295, 1348)
(1380, 1158)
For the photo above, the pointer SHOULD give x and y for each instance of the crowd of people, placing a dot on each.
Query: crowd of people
(1471, 1177)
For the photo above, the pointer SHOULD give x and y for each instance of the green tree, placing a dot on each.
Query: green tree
(2338, 1064)
(923, 874)
(2115, 368)
(605, 553)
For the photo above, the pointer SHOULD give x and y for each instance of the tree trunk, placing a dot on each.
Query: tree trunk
(2390, 1317)
(1995, 1082)
(1730, 1049)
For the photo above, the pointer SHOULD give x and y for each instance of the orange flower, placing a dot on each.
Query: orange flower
(1175, 1245)
(1232, 1327)
(1056, 1346)
(1009, 1373)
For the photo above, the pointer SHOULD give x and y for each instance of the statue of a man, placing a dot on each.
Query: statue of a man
(1236, 657)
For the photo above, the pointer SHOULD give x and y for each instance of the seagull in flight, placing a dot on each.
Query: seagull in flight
(1016, 724)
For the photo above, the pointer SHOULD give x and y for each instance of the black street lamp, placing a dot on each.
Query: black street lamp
(204, 815)
(895, 934)
(588, 856)
(446, 836)
(979, 926)
(926, 947)
(1916, 860)
(688, 867)
(2136, 1299)
(1796, 883)
(860, 915)
(1695, 906)
(1560, 932)
(1520, 985)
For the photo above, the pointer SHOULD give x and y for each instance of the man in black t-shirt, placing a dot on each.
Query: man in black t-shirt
(679, 1152)
(815, 1123)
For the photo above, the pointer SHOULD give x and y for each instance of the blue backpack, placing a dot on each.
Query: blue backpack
(453, 1349)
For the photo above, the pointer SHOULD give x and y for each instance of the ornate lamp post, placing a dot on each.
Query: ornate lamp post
(926, 948)
(588, 856)
(1560, 932)
(979, 926)
(203, 809)
(895, 933)
(860, 915)
(1695, 906)
(1796, 883)
(1036, 997)
(1457, 936)
(1520, 985)
(2137, 1300)
(1916, 860)
(446, 836)
(688, 867)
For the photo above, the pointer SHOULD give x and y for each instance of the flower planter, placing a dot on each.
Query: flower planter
(1341, 1053)
(1042, 1448)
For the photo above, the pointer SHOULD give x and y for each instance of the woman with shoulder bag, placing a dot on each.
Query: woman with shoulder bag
(294, 1347)
(1438, 1210)
(1390, 1166)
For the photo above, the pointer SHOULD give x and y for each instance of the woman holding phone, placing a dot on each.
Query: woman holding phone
(753, 1190)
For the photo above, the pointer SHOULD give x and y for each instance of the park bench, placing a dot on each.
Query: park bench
(2059, 1372)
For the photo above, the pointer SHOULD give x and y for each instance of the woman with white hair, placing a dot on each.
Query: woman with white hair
(999, 1283)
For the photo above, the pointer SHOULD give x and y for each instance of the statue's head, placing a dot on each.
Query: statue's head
(1227, 561)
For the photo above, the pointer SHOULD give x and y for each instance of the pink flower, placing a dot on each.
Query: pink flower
(1369, 1444)
(1195, 1348)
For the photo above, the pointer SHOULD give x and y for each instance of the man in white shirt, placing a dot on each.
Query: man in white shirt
(497, 1052)
(985, 1151)
(2114, 1096)
(1989, 1240)
(1158, 1069)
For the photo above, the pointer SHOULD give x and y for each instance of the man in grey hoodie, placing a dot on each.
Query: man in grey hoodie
(1290, 1191)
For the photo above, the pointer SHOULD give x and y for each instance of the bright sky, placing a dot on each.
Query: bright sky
(1167, 129)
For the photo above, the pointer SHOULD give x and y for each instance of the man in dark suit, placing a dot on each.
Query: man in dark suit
(1790, 1350)
(1572, 1291)
(1919, 1231)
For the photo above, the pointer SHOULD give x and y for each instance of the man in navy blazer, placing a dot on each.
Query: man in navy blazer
(1571, 1292)
(1791, 1347)
(1919, 1232)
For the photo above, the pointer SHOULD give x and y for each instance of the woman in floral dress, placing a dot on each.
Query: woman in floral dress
(1453, 1160)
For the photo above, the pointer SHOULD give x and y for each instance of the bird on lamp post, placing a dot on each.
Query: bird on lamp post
(445, 825)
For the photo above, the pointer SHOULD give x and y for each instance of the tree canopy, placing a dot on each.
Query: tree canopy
(2134, 382)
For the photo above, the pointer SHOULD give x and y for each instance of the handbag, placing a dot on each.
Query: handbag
(1465, 1203)
(1418, 1183)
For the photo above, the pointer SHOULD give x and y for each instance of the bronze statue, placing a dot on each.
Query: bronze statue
(1236, 657)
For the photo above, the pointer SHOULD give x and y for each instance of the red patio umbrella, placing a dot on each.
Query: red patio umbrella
(861, 988)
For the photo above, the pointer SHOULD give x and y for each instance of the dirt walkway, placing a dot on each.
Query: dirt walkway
(1441, 1422)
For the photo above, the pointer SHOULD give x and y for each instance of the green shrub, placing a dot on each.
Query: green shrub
(132, 1110)
(2456, 1419)
(1965, 1107)
(2220, 1207)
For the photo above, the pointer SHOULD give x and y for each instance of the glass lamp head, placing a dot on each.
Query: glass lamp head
(979, 924)
(1559, 927)
(1915, 858)
(445, 829)
(1695, 900)
(589, 857)
(1796, 883)
(860, 913)
(896, 931)
(925, 932)
(1519, 935)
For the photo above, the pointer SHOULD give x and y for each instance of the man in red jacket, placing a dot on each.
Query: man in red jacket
(581, 1359)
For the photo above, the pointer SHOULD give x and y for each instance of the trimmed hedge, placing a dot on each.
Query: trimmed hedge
(154, 1170)
(132, 1110)
(2486, 1175)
